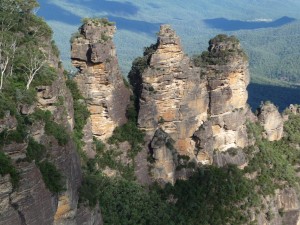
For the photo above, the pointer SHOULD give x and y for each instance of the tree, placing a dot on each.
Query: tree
(8, 15)
(26, 6)
(36, 60)
(7, 53)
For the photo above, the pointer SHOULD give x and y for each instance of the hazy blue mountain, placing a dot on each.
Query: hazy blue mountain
(269, 30)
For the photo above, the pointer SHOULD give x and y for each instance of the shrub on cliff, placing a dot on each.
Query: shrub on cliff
(35, 151)
(51, 176)
(81, 114)
(6, 167)
(51, 128)
(222, 49)
(98, 21)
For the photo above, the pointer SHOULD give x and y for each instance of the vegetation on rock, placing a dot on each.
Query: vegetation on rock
(81, 114)
(98, 21)
(51, 176)
(222, 49)
(6, 167)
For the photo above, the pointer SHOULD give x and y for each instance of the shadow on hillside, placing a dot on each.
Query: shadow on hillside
(234, 25)
(120, 8)
(53, 12)
(135, 25)
(280, 96)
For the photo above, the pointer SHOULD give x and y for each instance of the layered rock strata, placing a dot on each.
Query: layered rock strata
(99, 78)
(201, 108)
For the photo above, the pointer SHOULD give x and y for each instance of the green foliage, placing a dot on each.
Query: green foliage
(57, 131)
(224, 38)
(6, 106)
(35, 151)
(74, 36)
(25, 96)
(99, 145)
(292, 128)
(227, 48)
(213, 196)
(46, 76)
(109, 158)
(51, 176)
(131, 133)
(254, 130)
(55, 49)
(135, 74)
(81, 114)
(72, 85)
(51, 127)
(104, 37)
(17, 135)
(124, 202)
(6, 167)
(273, 166)
(27, 37)
(98, 21)
(272, 161)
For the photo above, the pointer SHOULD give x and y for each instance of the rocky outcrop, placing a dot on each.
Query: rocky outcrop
(173, 98)
(295, 109)
(164, 155)
(31, 202)
(99, 78)
(201, 107)
(271, 120)
(283, 208)
(226, 69)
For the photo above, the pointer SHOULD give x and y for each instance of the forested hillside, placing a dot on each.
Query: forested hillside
(270, 37)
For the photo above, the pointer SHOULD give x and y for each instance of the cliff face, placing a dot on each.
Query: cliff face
(227, 83)
(31, 201)
(99, 78)
(201, 108)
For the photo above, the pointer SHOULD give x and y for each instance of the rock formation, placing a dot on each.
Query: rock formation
(31, 202)
(283, 208)
(271, 120)
(99, 78)
(201, 107)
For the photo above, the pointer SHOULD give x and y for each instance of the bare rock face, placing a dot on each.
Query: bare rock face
(164, 155)
(99, 78)
(272, 121)
(201, 107)
(228, 77)
(173, 98)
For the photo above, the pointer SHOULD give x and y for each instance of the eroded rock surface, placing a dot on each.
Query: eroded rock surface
(99, 78)
(272, 121)
(201, 107)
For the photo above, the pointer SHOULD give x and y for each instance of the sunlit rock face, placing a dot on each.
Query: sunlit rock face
(99, 78)
(201, 107)
(272, 121)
